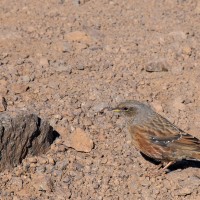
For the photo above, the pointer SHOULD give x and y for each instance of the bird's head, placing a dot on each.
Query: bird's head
(130, 108)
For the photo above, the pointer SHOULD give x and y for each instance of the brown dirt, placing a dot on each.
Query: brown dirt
(66, 60)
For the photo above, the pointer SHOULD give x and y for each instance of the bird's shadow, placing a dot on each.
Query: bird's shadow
(183, 164)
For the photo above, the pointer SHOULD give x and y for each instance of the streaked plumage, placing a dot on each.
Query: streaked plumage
(155, 136)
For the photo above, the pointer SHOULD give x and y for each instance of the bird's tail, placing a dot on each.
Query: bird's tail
(196, 155)
(189, 145)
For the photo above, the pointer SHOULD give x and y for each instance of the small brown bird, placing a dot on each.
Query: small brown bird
(155, 136)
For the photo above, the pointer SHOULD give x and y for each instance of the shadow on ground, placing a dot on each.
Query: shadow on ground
(183, 164)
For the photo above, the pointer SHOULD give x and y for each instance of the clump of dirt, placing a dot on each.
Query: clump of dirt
(67, 60)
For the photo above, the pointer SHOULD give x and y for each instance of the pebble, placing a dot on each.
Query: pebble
(64, 68)
(99, 107)
(51, 161)
(42, 182)
(62, 165)
(42, 160)
(157, 105)
(18, 88)
(77, 36)
(44, 62)
(40, 169)
(80, 141)
(178, 103)
(3, 104)
(184, 191)
(157, 66)
(17, 183)
(187, 50)
(32, 160)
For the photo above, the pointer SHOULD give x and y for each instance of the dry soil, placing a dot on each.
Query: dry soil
(65, 60)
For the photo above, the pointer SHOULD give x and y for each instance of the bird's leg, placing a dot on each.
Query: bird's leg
(159, 170)
(159, 166)
(155, 171)
(167, 165)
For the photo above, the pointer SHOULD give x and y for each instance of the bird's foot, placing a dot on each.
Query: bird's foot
(154, 171)
(159, 170)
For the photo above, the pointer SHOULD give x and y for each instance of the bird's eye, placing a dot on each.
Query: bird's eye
(125, 108)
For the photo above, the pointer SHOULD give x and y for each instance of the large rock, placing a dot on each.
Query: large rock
(23, 135)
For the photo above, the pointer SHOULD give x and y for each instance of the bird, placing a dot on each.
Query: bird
(155, 136)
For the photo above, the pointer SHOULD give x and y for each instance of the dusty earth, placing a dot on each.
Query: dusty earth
(65, 60)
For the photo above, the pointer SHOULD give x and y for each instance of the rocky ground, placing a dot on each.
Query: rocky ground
(65, 60)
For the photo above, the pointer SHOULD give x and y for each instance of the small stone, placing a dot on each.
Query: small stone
(57, 116)
(178, 103)
(78, 36)
(44, 62)
(61, 148)
(26, 79)
(61, 165)
(64, 133)
(18, 88)
(16, 183)
(3, 87)
(81, 46)
(80, 141)
(20, 61)
(26, 165)
(80, 67)
(3, 104)
(19, 171)
(157, 105)
(42, 183)
(197, 9)
(42, 160)
(187, 101)
(51, 161)
(104, 160)
(55, 86)
(195, 180)
(87, 121)
(63, 47)
(178, 35)
(187, 50)
(67, 179)
(40, 169)
(80, 2)
(185, 191)
(99, 107)
(16, 198)
(157, 66)
(64, 68)
(33, 165)
(61, 193)
(49, 168)
(30, 29)
(57, 173)
(58, 141)
(67, 47)
(177, 70)
(32, 160)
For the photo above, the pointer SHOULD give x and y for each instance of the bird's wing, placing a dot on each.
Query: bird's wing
(183, 141)
(188, 142)
(165, 140)
(163, 132)
(163, 127)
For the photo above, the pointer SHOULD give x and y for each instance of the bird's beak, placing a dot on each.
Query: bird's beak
(116, 110)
